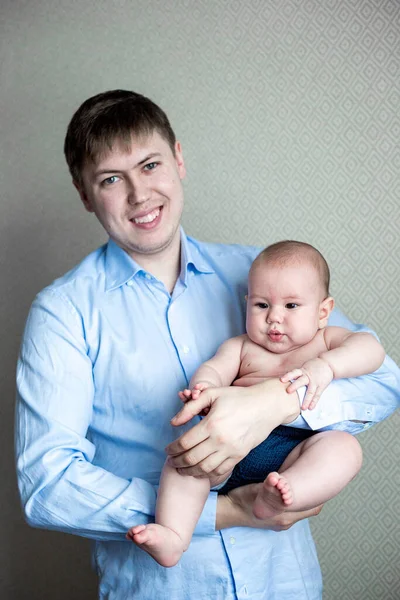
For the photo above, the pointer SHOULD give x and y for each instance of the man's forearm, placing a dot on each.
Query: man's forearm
(236, 510)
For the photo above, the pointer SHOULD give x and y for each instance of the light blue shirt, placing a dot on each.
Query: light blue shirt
(106, 349)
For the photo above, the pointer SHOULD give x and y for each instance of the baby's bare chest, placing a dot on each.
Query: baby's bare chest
(260, 363)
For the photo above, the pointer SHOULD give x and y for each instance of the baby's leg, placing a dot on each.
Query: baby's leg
(179, 505)
(314, 472)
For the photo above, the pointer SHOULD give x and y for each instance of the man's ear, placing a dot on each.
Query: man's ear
(180, 163)
(83, 196)
(325, 309)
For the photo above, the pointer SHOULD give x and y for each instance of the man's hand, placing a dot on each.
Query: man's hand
(238, 420)
(236, 510)
(316, 374)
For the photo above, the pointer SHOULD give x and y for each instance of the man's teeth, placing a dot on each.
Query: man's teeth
(148, 218)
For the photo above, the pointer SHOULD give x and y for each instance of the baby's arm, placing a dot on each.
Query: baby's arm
(219, 371)
(351, 354)
(347, 355)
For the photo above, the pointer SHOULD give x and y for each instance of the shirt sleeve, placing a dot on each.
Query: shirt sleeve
(367, 399)
(60, 487)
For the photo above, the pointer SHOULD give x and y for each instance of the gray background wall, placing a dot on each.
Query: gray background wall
(288, 112)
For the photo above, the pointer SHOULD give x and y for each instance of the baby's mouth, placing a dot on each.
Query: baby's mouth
(275, 336)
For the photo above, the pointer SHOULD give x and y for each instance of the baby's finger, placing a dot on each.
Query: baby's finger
(314, 401)
(291, 375)
(185, 395)
(308, 398)
(295, 385)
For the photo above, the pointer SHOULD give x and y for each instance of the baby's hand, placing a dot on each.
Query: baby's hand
(185, 395)
(194, 394)
(316, 374)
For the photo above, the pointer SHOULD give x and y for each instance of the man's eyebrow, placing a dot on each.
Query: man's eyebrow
(139, 164)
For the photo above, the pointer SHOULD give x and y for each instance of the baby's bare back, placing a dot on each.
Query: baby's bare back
(257, 364)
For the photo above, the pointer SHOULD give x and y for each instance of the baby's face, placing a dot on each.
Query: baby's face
(283, 305)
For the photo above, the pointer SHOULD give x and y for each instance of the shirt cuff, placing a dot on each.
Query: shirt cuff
(299, 421)
(206, 523)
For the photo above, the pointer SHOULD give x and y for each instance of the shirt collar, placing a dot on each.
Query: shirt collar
(191, 258)
(120, 267)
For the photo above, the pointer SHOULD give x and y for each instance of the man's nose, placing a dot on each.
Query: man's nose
(138, 191)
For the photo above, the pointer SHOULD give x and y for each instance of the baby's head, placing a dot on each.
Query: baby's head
(288, 299)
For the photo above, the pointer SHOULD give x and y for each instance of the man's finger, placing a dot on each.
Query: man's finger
(189, 440)
(193, 456)
(225, 468)
(191, 408)
(205, 467)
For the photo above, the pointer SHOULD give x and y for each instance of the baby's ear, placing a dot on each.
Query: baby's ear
(325, 309)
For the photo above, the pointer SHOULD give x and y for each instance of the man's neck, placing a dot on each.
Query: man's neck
(164, 266)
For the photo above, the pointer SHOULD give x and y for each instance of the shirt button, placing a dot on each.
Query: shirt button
(185, 349)
(232, 540)
(130, 283)
(148, 276)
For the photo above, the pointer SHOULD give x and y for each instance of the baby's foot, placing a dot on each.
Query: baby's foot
(162, 543)
(274, 497)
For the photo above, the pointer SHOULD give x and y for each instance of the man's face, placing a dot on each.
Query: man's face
(284, 306)
(137, 195)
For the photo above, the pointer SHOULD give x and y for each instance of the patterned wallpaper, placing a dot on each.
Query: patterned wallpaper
(288, 113)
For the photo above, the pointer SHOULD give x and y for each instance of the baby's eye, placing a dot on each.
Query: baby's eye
(110, 180)
(262, 305)
(291, 305)
(150, 166)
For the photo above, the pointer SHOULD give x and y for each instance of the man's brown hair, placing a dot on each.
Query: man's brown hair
(110, 117)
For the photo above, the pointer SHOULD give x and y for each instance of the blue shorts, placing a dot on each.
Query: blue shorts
(266, 457)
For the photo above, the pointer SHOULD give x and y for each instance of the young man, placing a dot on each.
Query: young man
(106, 349)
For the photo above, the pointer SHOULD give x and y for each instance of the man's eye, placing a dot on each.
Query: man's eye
(291, 305)
(262, 305)
(110, 180)
(150, 166)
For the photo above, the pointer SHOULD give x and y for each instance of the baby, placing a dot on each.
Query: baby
(288, 306)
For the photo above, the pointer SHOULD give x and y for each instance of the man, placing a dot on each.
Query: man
(106, 349)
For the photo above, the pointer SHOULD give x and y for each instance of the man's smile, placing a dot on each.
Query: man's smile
(148, 217)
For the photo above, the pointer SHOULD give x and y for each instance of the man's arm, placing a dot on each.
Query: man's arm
(60, 487)
(235, 509)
